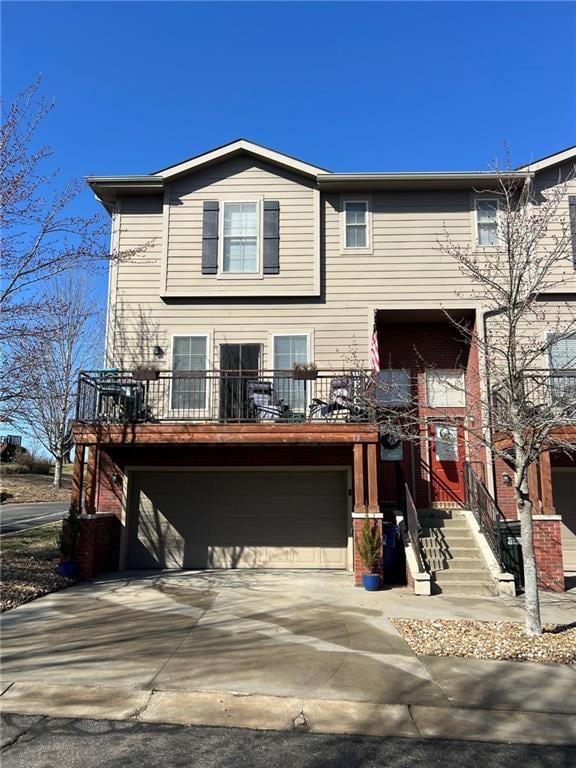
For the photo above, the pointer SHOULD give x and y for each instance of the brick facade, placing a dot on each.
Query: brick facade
(98, 546)
(415, 347)
(548, 553)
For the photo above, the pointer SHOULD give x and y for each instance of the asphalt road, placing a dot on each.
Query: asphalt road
(37, 742)
(18, 517)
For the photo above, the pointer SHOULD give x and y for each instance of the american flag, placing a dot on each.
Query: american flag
(374, 353)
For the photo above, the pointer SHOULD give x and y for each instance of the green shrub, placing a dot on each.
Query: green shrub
(369, 544)
(70, 533)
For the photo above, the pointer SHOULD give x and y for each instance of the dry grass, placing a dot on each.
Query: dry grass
(502, 640)
(29, 565)
(27, 489)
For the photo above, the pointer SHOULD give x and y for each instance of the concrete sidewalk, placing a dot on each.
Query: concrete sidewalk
(275, 651)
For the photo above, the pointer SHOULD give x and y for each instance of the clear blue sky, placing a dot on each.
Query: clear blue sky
(347, 86)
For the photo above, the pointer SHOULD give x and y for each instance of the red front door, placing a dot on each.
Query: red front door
(446, 459)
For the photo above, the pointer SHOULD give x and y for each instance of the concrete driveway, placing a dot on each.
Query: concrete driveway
(283, 651)
(283, 634)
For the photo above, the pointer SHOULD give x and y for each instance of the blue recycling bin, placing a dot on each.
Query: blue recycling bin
(390, 534)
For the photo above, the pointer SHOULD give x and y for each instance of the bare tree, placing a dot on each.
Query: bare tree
(41, 239)
(57, 361)
(520, 410)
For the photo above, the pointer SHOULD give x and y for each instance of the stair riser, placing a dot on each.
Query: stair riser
(438, 563)
(445, 525)
(460, 576)
(480, 590)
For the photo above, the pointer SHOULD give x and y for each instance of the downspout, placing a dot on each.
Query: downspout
(490, 475)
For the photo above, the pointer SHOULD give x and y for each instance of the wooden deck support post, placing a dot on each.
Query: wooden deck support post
(91, 480)
(78, 477)
(372, 470)
(546, 484)
(533, 488)
(359, 497)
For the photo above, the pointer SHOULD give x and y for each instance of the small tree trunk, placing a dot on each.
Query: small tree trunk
(58, 472)
(533, 624)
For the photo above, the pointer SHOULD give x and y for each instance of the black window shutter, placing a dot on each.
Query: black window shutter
(210, 238)
(572, 204)
(271, 237)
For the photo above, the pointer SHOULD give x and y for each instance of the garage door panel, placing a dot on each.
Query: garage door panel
(157, 541)
(239, 520)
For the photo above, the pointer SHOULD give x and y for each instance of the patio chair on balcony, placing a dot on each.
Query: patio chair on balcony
(344, 404)
(118, 399)
(339, 408)
(260, 402)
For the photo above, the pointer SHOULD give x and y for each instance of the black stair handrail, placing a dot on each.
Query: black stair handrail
(413, 529)
(485, 510)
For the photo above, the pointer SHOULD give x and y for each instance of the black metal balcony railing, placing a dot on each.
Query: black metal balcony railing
(112, 396)
(550, 394)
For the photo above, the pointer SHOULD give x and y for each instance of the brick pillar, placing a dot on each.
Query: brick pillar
(548, 552)
(357, 522)
(98, 546)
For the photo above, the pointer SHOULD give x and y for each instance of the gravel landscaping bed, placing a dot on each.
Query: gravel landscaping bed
(488, 640)
(29, 566)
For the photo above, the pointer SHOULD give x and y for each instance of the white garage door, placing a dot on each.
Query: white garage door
(564, 490)
(238, 519)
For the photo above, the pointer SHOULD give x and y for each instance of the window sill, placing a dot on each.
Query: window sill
(357, 251)
(238, 276)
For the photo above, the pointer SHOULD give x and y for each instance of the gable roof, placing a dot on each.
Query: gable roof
(107, 188)
(240, 146)
(549, 160)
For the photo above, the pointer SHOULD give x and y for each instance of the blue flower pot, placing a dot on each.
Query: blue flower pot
(371, 582)
(67, 568)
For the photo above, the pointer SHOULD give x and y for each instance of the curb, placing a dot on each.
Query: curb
(230, 710)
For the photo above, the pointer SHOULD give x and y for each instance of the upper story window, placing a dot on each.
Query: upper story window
(394, 388)
(240, 238)
(445, 389)
(563, 353)
(355, 225)
(487, 221)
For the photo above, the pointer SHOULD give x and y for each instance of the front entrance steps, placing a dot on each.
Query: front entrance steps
(454, 560)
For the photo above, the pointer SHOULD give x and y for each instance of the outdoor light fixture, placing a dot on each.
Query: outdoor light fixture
(158, 352)
(115, 477)
(506, 479)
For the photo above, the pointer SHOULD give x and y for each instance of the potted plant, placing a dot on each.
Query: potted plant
(369, 544)
(145, 373)
(67, 541)
(306, 371)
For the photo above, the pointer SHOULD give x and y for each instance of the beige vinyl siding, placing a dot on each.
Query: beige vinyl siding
(406, 270)
(545, 181)
(552, 316)
(243, 178)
